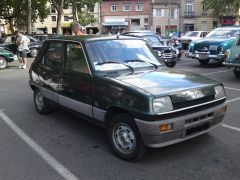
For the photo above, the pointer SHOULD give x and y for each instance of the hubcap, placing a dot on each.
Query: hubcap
(39, 100)
(3, 63)
(124, 138)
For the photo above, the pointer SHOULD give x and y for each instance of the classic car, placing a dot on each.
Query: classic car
(5, 58)
(9, 41)
(233, 57)
(119, 83)
(214, 45)
(192, 36)
(168, 54)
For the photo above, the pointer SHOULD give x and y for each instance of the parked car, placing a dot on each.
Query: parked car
(168, 54)
(9, 41)
(119, 83)
(5, 58)
(214, 46)
(192, 36)
(233, 57)
(42, 37)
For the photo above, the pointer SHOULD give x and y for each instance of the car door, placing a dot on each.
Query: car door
(10, 43)
(235, 50)
(77, 82)
(50, 68)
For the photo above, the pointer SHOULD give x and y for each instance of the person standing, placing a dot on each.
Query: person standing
(22, 43)
(77, 30)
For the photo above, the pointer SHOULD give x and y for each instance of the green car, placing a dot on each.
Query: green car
(5, 58)
(120, 84)
(233, 57)
(214, 46)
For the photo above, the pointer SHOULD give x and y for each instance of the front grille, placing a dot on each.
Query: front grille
(200, 118)
(198, 129)
(167, 55)
(190, 110)
(180, 105)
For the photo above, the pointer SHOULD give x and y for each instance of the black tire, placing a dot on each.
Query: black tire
(33, 52)
(45, 107)
(204, 62)
(171, 64)
(117, 123)
(236, 72)
(3, 63)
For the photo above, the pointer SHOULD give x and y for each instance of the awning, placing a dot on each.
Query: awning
(115, 23)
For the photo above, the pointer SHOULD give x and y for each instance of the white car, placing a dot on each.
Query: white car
(192, 36)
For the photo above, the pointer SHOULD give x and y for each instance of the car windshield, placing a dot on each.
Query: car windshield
(192, 34)
(223, 33)
(109, 55)
(152, 40)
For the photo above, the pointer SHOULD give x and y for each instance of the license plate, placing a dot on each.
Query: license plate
(203, 56)
(213, 48)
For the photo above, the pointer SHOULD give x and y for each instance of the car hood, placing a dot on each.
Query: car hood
(164, 81)
(215, 41)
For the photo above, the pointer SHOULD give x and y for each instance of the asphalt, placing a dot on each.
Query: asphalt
(83, 150)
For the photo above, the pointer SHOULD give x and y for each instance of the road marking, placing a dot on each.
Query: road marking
(233, 100)
(50, 160)
(231, 127)
(1, 71)
(216, 72)
(235, 89)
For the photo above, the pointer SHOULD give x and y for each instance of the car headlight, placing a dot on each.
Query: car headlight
(163, 104)
(219, 92)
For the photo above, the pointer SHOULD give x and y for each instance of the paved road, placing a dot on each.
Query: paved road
(62, 146)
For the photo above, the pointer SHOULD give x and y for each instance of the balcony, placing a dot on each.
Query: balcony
(189, 14)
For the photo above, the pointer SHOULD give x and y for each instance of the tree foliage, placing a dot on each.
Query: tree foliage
(15, 12)
(222, 7)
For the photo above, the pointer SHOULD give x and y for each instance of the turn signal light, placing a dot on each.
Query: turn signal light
(165, 127)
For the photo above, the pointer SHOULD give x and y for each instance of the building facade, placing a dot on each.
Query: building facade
(195, 17)
(49, 24)
(125, 15)
(165, 15)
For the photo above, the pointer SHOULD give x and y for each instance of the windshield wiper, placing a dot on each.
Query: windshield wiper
(139, 60)
(113, 62)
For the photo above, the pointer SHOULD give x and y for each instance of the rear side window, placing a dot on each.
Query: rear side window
(75, 59)
(54, 55)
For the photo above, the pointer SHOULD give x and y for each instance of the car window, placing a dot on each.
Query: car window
(54, 55)
(152, 40)
(193, 34)
(203, 34)
(7, 39)
(75, 59)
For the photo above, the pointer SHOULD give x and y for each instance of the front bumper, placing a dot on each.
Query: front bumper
(205, 56)
(232, 64)
(184, 127)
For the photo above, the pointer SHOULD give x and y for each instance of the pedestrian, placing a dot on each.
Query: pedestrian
(77, 29)
(22, 43)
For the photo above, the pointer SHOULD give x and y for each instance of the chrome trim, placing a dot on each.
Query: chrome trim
(99, 114)
(75, 105)
(231, 64)
(177, 110)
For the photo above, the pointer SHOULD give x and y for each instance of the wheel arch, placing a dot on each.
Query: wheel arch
(113, 111)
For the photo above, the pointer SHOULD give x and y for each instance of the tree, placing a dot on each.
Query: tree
(14, 12)
(81, 11)
(221, 7)
(58, 5)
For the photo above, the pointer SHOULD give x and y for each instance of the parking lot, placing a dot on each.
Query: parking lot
(62, 146)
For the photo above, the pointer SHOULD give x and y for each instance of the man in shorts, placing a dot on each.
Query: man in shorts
(22, 43)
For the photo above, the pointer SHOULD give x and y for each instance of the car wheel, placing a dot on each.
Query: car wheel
(236, 72)
(42, 105)
(203, 62)
(33, 52)
(125, 138)
(171, 64)
(3, 62)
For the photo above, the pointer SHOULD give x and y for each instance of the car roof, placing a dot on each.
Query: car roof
(84, 38)
(229, 27)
